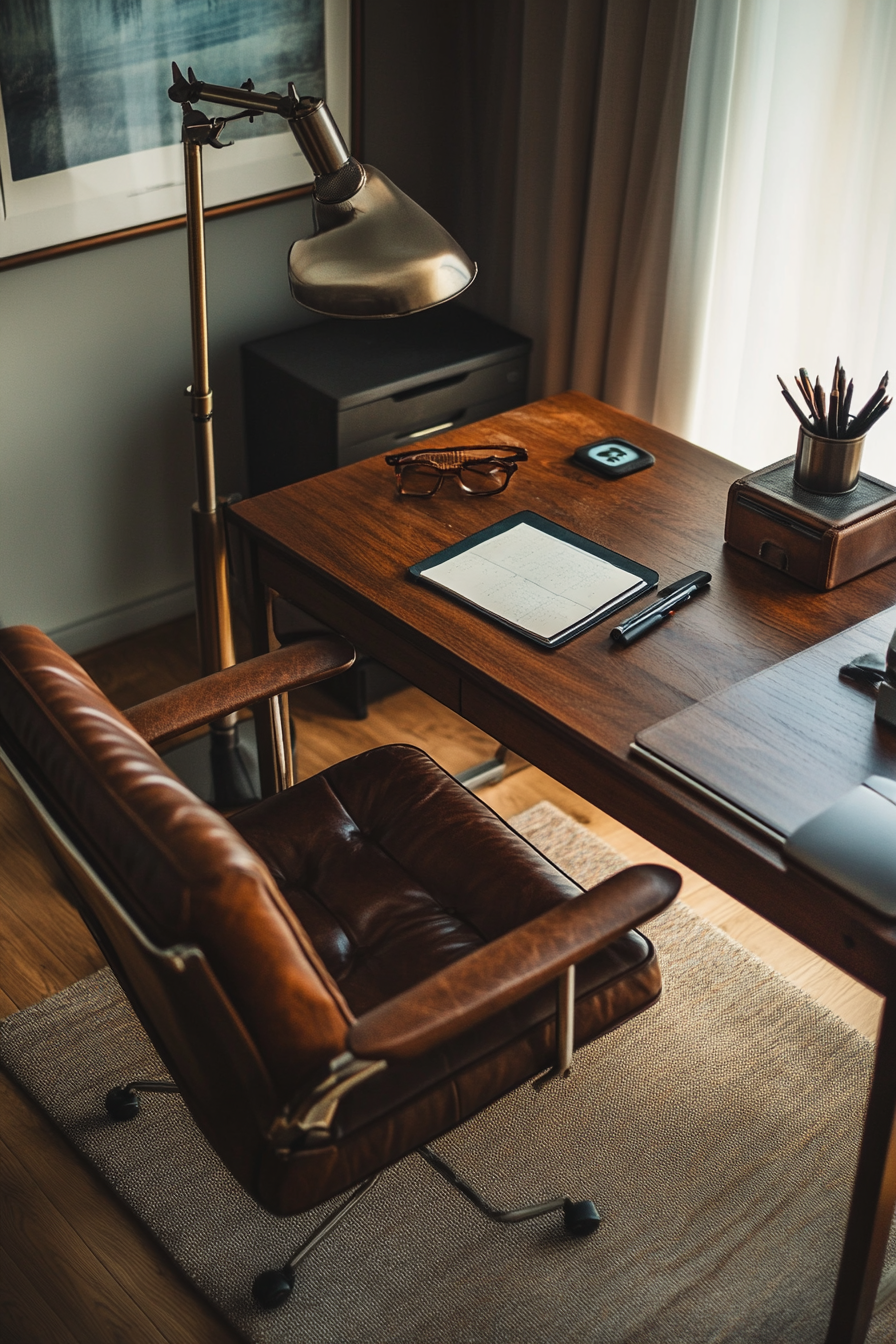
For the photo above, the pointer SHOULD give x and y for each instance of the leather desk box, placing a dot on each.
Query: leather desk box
(823, 540)
(335, 392)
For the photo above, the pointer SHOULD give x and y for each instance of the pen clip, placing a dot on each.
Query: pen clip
(699, 579)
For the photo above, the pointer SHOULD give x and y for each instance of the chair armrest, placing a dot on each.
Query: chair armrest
(506, 970)
(200, 702)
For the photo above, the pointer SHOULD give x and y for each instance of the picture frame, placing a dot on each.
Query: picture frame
(58, 197)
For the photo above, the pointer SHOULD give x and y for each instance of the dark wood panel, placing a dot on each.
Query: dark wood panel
(786, 743)
(57, 925)
(139, 1266)
(35, 891)
(32, 969)
(24, 1315)
(73, 1282)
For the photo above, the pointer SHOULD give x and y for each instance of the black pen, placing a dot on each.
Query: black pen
(670, 599)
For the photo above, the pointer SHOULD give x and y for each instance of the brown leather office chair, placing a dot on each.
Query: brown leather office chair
(341, 972)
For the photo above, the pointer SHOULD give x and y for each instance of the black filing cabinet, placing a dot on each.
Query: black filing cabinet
(338, 391)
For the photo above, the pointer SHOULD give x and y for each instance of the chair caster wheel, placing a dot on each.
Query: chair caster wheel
(580, 1218)
(122, 1103)
(272, 1288)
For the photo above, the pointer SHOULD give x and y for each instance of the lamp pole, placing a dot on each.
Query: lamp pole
(231, 784)
(375, 253)
(215, 632)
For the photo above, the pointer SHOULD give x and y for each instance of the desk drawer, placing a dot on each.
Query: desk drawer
(443, 401)
(466, 415)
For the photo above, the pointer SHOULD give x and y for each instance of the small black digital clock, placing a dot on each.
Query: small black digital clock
(613, 458)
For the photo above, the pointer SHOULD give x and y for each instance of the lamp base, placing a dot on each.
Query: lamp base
(221, 767)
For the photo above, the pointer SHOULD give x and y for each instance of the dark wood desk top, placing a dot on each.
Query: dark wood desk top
(340, 545)
(353, 527)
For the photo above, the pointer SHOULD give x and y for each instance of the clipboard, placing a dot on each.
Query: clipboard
(539, 589)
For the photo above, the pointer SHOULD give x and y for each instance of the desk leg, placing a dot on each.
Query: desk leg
(272, 731)
(873, 1197)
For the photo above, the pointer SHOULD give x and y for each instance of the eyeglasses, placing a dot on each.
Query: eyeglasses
(479, 471)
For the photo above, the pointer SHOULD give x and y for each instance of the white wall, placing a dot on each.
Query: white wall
(96, 458)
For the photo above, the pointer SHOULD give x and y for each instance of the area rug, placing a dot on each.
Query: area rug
(717, 1134)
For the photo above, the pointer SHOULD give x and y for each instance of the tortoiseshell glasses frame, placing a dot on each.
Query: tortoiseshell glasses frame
(484, 470)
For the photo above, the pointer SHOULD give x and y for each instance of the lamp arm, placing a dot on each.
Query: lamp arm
(192, 90)
(310, 120)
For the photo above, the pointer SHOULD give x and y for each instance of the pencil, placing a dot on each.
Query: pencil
(834, 406)
(792, 403)
(875, 396)
(873, 418)
(820, 403)
(802, 382)
(841, 388)
(869, 408)
(832, 420)
(834, 411)
(845, 407)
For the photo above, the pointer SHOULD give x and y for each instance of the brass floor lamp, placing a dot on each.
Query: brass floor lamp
(374, 253)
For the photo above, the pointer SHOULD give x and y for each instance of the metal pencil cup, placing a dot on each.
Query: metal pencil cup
(827, 466)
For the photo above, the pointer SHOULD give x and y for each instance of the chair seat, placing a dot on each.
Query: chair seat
(395, 871)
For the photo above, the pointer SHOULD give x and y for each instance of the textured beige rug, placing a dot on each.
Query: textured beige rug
(717, 1134)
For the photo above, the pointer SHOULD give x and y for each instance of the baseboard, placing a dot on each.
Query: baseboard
(128, 619)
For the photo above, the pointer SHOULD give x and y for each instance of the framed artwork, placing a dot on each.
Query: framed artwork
(90, 143)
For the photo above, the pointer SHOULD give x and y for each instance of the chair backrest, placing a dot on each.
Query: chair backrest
(222, 974)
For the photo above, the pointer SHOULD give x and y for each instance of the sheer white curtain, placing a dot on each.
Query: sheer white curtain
(783, 247)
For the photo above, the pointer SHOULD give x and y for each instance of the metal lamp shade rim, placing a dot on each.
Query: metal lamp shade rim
(377, 255)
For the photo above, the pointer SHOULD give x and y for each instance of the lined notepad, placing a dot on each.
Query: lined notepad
(535, 580)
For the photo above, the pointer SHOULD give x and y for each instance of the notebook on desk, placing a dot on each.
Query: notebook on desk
(536, 577)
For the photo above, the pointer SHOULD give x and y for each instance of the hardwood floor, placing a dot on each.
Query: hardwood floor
(75, 1265)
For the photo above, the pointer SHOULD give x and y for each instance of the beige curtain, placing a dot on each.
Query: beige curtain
(544, 134)
(590, 265)
(762, 280)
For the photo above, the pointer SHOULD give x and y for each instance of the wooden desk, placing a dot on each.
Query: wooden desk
(340, 545)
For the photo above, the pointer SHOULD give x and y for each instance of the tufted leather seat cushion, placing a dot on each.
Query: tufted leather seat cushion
(396, 871)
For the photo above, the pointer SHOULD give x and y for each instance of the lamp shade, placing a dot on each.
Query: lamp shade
(378, 254)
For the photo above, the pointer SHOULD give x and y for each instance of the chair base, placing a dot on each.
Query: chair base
(123, 1103)
(580, 1218)
(272, 1287)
